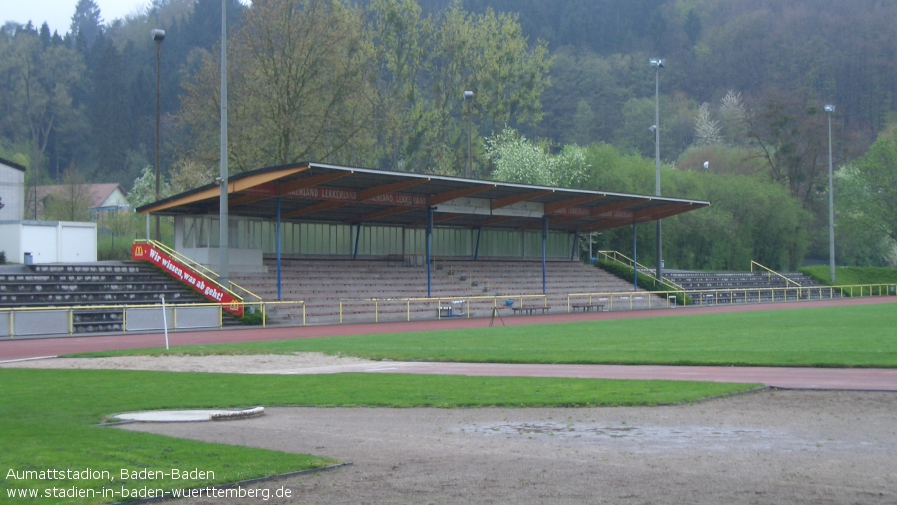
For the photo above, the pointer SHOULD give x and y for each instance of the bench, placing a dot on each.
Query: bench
(588, 307)
(529, 309)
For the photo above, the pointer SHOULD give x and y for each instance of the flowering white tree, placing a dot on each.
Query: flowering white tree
(707, 130)
(519, 160)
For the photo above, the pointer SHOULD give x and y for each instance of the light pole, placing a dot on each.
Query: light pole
(830, 109)
(658, 64)
(158, 37)
(223, 251)
(468, 98)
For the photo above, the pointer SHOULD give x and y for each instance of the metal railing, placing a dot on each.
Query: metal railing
(59, 321)
(625, 260)
(203, 271)
(771, 272)
(442, 307)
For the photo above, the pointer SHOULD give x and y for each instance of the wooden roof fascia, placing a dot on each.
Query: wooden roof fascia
(597, 211)
(283, 189)
(513, 199)
(389, 188)
(233, 187)
(571, 202)
(494, 220)
(654, 214)
(318, 207)
(606, 224)
(552, 220)
(458, 193)
(398, 209)
(438, 218)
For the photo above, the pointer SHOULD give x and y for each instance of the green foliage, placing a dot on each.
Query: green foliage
(144, 190)
(70, 201)
(424, 65)
(644, 281)
(865, 199)
(251, 318)
(852, 336)
(856, 276)
(518, 160)
(750, 218)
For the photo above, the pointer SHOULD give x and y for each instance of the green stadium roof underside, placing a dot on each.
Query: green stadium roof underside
(319, 192)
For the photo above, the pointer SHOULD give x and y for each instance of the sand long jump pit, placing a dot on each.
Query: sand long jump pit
(773, 446)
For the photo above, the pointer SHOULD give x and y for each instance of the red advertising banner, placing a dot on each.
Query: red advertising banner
(185, 274)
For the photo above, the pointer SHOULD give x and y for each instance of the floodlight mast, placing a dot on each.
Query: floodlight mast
(468, 97)
(658, 64)
(158, 36)
(830, 110)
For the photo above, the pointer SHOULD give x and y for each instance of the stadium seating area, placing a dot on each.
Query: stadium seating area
(757, 286)
(324, 283)
(91, 284)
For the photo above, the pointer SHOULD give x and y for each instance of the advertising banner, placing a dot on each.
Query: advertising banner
(146, 252)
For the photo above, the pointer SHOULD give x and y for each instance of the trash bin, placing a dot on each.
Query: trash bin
(29, 260)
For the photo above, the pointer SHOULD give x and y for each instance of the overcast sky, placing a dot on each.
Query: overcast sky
(58, 13)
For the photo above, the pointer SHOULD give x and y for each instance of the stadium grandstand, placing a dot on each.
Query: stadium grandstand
(339, 237)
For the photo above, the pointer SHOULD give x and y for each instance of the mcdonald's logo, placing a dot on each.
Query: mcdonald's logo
(139, 251)
(235, 305)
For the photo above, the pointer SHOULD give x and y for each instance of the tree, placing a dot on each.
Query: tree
(865, 204)
(109, 112)
(71, 200)
(424, 65)
(707, 130)
(38, 82)
(86, 22)
(518, 160)
(791, 138)
(144, 189)
(298, 77)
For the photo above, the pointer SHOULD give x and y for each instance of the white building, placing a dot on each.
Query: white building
(44, 241)
(12, 190)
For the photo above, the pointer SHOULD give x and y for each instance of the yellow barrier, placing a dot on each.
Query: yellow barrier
(772, 272)
(628, 300)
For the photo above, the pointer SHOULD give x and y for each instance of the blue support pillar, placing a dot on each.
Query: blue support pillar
(545, 236)
(477, 246)
(358, 233)
(428, 234)
(635, 283)
(277, 240)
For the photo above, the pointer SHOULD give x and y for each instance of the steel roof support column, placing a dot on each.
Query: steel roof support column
(358, 233)
(428, 233)
(277, 240)
(635, 284)
(574, 245)
(477, 245)
(545, 235)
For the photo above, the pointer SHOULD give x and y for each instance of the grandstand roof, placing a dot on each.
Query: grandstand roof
(329, 193)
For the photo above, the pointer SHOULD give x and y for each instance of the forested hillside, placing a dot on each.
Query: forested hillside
(379, 83)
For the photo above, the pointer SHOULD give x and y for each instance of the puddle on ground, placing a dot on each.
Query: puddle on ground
(647, 437)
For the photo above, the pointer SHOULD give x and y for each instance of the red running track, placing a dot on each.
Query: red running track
(824, 378)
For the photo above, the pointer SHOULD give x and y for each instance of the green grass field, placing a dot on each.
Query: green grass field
(855, 276)
(47, 417)
(852, 336)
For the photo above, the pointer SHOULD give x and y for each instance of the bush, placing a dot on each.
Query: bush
(2, 257)
(251, 318)
(645, 282)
